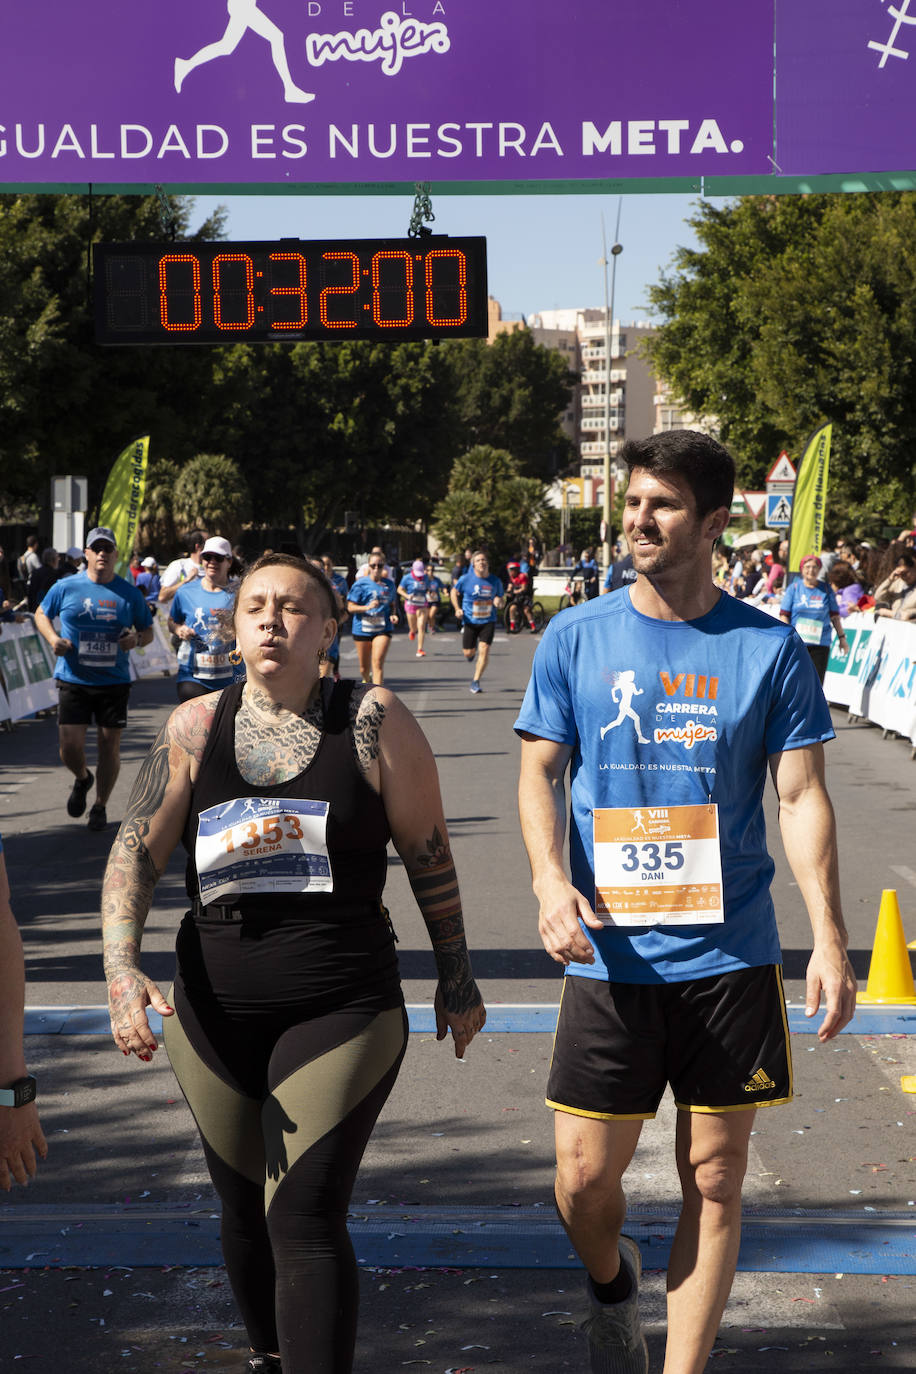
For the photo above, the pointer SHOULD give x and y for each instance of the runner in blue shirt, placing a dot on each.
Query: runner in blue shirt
(371, 602)
(669, 703)
(201, 618)
(810, 607)
(331, 665)
(476, 597)
(434, 590)
(413, 589)
(102, 617)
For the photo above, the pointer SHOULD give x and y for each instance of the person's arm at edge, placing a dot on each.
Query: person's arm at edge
(21, 1136)
(47, 631)
(542, 811)
(409, 784)
(808, 829)
(152, 826)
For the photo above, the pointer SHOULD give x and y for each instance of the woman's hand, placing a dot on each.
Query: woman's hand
(464, 1025)
(130, 992)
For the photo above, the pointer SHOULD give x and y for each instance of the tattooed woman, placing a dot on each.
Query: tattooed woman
(288, 1024)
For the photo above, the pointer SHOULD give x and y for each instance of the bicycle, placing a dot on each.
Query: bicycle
(514, 623)
(574, 593)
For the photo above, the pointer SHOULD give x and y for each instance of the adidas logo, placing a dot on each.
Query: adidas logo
(759, 1082)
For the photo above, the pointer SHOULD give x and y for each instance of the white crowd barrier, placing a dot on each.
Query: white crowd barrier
(877, 679)
(27, 667)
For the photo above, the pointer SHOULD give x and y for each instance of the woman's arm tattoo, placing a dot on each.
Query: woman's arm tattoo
(366, 716)
(435, 886)
(131, 874)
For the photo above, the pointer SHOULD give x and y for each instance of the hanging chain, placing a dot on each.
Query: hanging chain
(422, 210)
(166, 214)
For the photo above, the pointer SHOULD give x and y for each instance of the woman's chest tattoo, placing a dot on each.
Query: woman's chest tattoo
(270, 754)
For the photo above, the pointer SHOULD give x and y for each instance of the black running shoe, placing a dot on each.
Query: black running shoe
(76, 802)
(264, 1364)
(98, 817)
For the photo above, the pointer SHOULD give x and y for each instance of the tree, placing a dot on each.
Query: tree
(66, 404)
(156, 529)
(212, 494)
(488, 502)
(794, 311)
(510, 394)
(319, 428)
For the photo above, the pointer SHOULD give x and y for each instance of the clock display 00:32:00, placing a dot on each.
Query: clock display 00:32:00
(202, 293)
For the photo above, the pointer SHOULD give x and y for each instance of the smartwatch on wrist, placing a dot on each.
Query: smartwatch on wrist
(20, 1093)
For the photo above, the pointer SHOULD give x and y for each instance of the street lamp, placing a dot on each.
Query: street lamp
(608, 492)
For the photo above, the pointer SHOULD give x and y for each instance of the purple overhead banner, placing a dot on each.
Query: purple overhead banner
(845, 86)
(362, 92)
(359, 91)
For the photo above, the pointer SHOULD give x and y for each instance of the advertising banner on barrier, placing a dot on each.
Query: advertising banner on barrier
(887, 678)
(291, 92)
(27, 669)
(156, 657)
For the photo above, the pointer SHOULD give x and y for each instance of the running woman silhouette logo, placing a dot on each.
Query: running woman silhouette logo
(245, 15)
(901, 15)
(623, 690)
(638, 824)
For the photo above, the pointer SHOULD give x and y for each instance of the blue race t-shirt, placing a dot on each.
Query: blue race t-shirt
(433, 590)
(477, 597)
(374, 619)
(92, 616)
(676, 713)
(205, 658)
(416, 589)
(810, 609)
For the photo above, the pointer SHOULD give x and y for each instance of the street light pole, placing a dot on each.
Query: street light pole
(608, 490)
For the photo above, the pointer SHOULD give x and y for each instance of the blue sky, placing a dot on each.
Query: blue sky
(543, 251)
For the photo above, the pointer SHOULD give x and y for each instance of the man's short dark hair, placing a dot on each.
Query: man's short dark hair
(907, 559)
(706, 467)
(196, 537)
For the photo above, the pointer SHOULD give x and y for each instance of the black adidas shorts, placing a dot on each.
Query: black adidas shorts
(472, 635)
(107, 706)
(721, 1042)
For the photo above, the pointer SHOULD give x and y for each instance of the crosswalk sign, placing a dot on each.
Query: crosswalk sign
(779, 509)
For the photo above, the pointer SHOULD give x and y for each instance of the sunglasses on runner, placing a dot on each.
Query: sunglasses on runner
(376, 565)
(101, 546)
(214, 558)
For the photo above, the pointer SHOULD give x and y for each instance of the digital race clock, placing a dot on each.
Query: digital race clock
(432, 287)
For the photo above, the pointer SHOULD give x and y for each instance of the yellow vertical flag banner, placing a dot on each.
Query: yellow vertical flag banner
(122, 498)
(806, 529)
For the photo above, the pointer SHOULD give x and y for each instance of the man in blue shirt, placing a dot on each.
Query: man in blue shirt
(102, 617)
(476, 597)
(669, 701)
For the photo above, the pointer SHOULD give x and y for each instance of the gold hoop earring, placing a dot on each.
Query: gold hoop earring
(235, 657)
(322, 655)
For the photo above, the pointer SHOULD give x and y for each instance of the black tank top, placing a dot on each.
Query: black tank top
(358, 830)
(320, 949)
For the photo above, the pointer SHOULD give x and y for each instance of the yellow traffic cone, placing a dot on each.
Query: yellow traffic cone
(890, 977)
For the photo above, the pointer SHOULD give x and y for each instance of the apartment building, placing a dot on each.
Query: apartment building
(612, 403)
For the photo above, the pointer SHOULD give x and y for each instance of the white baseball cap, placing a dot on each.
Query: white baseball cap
(149, 563)
(217, 545)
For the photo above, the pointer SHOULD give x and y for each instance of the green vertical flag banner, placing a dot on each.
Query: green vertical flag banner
(806, 528)
(122, 498)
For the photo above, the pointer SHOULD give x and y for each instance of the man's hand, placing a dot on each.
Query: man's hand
(62, 646)
(561, 906)
(830, 972)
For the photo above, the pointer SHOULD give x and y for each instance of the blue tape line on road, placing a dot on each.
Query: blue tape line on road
(810, 1242)
(513, 1018)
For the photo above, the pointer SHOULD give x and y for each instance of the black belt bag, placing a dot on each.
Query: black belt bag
(216, 911)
